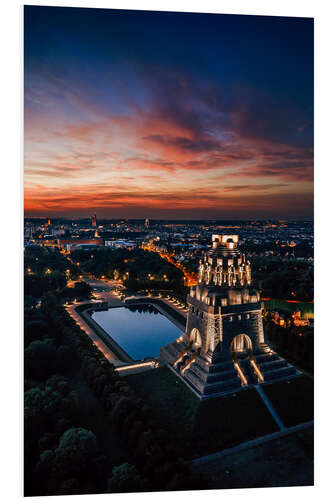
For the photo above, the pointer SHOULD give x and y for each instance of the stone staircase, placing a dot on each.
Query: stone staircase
(273, 367)
(172, 351)
(211, 379)
(221, 376)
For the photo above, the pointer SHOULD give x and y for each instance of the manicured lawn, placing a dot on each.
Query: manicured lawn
(207, 426)
(229, 420)
(292, 399)
(287, 461)
(174, 405)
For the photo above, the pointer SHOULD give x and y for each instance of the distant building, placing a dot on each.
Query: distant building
(147, 223)
(73, 244)
(278, 317)
(94, 220)
(129, 245)
(298, 320)
(57, 232)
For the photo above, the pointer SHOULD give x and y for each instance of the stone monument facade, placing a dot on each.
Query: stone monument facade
(223, 346)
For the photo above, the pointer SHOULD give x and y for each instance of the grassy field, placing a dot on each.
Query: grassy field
(306, 307)
(293, 399)
(207, 426)
(287, 461)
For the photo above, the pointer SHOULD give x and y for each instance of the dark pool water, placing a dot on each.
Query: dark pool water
(140, 330)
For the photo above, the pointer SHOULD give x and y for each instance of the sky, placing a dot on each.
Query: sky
(167, 115)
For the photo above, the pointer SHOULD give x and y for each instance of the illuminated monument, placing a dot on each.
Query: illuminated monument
(223, 346)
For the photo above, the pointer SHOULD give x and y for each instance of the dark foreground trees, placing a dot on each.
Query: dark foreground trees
(126, 479)
(55, 438)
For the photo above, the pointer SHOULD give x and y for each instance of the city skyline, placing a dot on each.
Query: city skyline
(167, 115)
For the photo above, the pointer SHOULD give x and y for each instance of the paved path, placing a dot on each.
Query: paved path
(108, 353)
(270, 407)
(107, 294)
(105, 290)
(249, 444)
(170, 303)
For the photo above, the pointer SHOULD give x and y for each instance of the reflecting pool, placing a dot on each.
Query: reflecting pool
(140, 330)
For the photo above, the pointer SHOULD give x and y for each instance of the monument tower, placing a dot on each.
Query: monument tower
(223, 346)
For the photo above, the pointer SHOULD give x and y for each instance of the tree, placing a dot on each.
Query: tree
(35, 330)
(125, 479)
(29, 302)
(40, 359)
(64, 357)
(76, 450)
(80, 444)
(47, 441)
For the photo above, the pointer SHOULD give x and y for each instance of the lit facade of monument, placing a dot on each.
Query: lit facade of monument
(223, 346)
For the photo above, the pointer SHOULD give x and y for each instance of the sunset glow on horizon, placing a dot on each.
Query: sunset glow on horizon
(167, 115)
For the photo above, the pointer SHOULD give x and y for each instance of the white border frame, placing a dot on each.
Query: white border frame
(12, 228)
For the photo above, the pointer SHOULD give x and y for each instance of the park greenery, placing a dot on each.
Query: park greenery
(46, 269)
(295, 343)
(288, 280)
(138, 269)
(202, 427)
(64, 453)
(87, 430)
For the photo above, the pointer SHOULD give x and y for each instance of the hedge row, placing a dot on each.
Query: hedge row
(156, 455)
